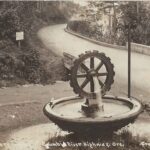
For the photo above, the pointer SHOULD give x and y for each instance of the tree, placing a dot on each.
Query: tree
(137, 13)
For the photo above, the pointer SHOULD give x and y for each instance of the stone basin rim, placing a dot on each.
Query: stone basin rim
(133, 104)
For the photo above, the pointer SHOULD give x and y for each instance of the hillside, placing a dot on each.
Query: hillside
(32, 62)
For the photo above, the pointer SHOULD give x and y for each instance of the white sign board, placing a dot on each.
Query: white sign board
(19, 36)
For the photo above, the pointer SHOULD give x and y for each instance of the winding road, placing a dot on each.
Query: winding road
(56, 39)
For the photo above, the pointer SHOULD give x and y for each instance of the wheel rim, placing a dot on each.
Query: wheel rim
(98, 66)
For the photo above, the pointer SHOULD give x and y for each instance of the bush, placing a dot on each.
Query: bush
(89, 29)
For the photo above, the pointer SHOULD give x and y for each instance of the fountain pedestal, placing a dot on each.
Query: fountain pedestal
(95, 103)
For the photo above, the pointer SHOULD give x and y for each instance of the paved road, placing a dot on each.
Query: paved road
(56, 39)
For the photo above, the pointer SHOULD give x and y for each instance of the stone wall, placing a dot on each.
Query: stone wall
(139, 48)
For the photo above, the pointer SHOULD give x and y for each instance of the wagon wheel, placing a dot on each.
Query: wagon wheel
(85, 68)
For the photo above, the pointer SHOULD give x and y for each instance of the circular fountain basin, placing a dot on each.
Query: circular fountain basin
(67, 114)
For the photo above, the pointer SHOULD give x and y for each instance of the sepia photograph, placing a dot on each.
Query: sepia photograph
(74, 75)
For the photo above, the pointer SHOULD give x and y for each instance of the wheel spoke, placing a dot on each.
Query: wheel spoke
(86, 81)
(100, 82)
(92, 63)
(92, 84)
(84, 67)
(99, 66)
(102, 74)
(82, 75)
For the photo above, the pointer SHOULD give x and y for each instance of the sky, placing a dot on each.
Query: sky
(81, 2)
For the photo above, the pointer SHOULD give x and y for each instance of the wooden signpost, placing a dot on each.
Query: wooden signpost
(19, 37)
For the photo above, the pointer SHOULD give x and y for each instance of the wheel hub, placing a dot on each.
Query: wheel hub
(92, 72)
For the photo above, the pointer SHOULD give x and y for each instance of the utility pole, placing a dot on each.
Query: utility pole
(129, 61)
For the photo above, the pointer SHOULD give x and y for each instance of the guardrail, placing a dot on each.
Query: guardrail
(140, 48)
(95, 41)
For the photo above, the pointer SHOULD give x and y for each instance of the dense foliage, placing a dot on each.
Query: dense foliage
(137, 13)
(24, 64)
(122, 13)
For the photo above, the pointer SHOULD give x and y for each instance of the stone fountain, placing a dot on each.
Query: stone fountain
(91, 109)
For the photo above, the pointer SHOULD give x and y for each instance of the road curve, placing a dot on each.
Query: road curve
(56, 39)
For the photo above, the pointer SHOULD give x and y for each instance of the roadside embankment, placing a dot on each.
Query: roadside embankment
(28, 61)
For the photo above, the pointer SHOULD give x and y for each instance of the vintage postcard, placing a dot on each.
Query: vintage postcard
(74, 75)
